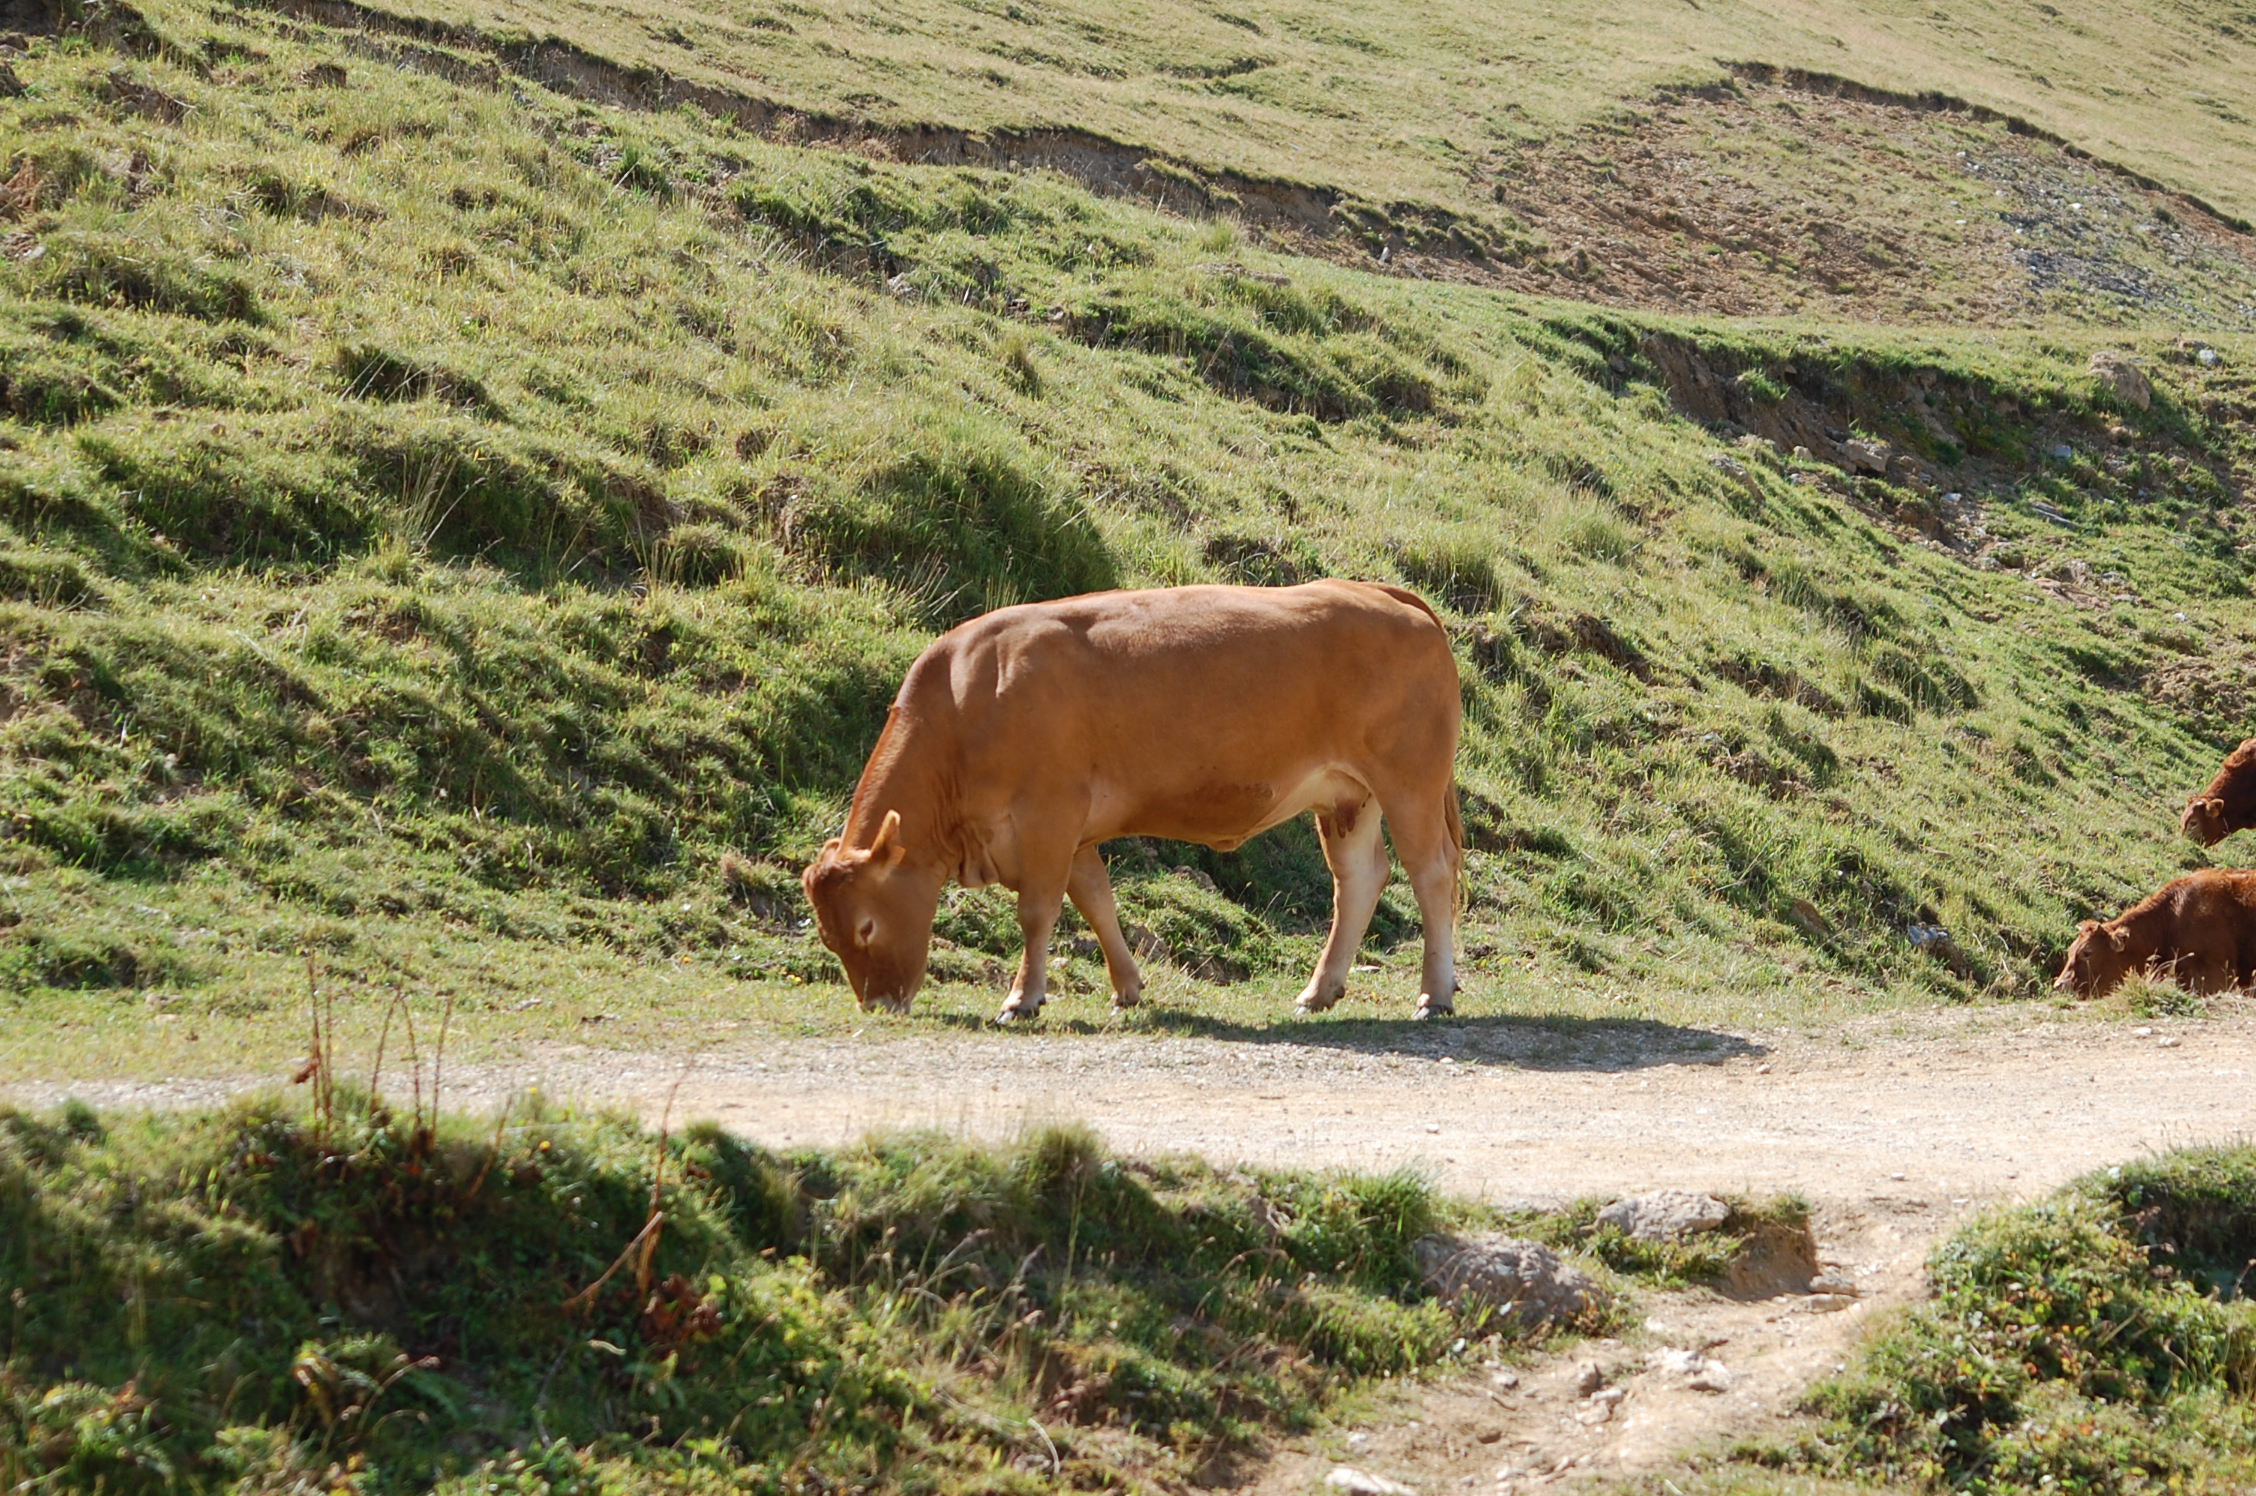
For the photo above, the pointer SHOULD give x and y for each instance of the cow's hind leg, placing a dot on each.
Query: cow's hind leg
(1356, 854)
(2203, 974)
(1427, 841)
(1091, 892)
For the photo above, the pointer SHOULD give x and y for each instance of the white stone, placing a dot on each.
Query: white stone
(1364, 1483)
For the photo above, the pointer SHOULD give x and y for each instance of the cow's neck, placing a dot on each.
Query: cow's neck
(905, 773)
(2143, 922)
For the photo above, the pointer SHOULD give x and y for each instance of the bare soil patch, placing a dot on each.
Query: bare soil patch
(1766, 197)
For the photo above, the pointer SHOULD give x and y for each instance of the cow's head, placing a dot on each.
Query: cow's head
(2096, 962)
(2204, 820)
(2228, 804)
(874, 907)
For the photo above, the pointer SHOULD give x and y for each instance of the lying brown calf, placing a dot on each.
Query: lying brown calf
(2199, 930)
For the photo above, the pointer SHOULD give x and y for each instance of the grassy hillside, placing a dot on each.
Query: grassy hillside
(470, 533)
(1389, 103)
(1702, 159)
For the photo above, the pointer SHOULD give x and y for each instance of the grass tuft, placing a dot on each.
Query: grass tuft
(263, 1294)
(2094, 1342)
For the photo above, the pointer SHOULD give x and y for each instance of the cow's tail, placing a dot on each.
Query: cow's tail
(1456, 824)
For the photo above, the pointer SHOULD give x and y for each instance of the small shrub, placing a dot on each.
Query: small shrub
(967, 514)
(2063, 1350)
(114, 270)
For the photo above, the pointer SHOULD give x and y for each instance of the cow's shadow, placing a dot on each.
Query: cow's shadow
(1507, 1041)
(1495, 1040)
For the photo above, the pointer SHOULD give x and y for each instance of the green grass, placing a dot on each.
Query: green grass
(472, 537)
(273, 1296)
(1399, 109)
(2098, 1341)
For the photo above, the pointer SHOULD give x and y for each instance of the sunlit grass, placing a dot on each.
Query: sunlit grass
(472, 541)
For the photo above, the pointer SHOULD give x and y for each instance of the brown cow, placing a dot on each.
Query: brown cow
(1024, 738)
(2199, 930)
(2229, 804)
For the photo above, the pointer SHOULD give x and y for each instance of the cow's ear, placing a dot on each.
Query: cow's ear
(2085, 927)
(2214, 806)
(886, 846)
(2118, 938)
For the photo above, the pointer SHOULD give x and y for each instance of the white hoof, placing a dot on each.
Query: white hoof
(1428, 1008)
(1014, 1013)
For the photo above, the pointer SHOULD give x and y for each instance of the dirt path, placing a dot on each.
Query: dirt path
(1894, 1128)
(1946, 1107)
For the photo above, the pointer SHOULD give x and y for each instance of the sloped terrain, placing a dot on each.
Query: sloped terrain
(1797, 194)
(1382, 112)
(447, 512)
(471, 480)
(1768, 189)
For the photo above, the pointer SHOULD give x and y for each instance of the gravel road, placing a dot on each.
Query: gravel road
(1951, 1106)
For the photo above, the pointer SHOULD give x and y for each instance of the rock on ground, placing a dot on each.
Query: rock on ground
(1525, 1281)
(2120, 375)
(1867, 456)
(1665, 1215)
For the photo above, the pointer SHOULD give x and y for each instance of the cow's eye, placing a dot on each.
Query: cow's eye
(866, 931)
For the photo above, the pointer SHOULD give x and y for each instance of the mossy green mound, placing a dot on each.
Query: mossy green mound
(273, 1298)
(2096, 1342)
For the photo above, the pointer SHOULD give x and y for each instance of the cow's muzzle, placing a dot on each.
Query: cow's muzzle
(888, 1003)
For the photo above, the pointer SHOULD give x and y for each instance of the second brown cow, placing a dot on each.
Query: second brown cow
(2199, 930)
(2228, 804)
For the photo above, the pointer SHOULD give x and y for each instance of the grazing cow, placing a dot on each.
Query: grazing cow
(1022, 739)
(2199, 929)
(2229, 804)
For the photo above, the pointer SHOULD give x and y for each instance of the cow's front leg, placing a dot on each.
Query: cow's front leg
(1092, 895)
(1038, 909)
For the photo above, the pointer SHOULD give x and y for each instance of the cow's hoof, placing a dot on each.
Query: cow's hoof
(1313, 1001)
(1012, 1013)
(1428, 1009)
(1122, 1001)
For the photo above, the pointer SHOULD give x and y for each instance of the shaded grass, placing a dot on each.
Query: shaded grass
(270, 1293)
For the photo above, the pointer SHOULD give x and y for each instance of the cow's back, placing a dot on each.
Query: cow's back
(2208, 915)
(1185, 709)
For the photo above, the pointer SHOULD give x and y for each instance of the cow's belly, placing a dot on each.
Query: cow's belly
(1219, 812)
